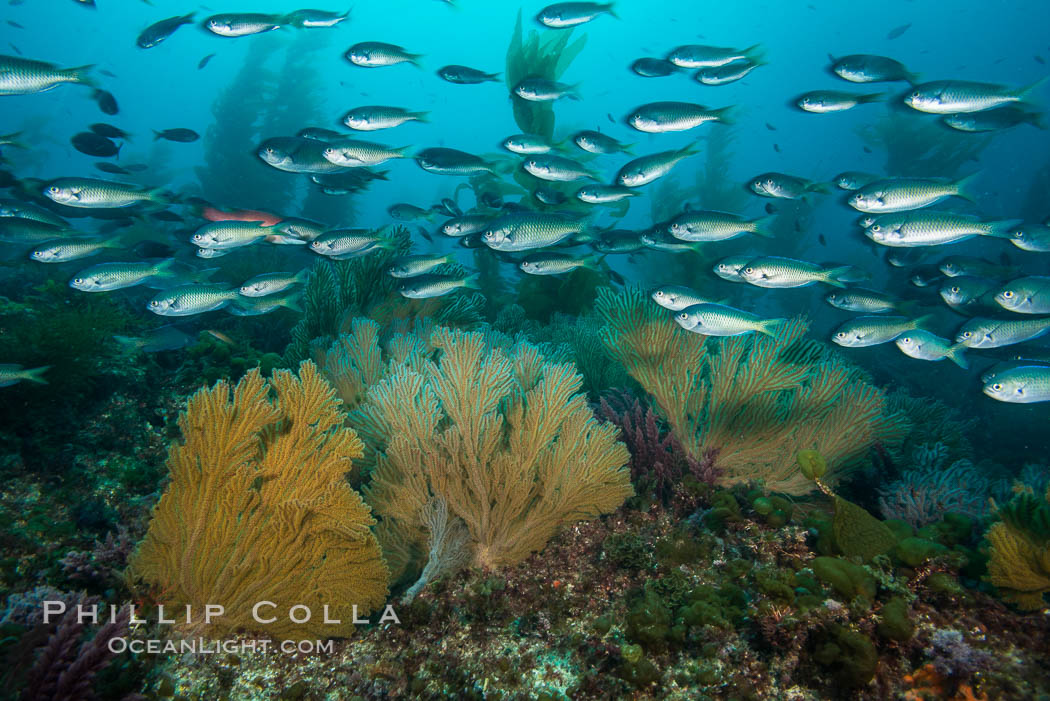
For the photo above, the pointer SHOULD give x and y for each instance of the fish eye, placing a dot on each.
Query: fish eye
(770, 183)
(906, 339)
(1018, 234)
(997, 387)
(659, 293)
(915, 95)
(748, 270)
(53, 189)
(967, 334)
(955, 289)
(1008, 294)
(78, 280)
(876, 228)
(840, 334)
(683, 316)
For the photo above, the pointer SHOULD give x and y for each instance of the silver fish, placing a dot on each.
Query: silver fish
(431, 285)
(343, 244)
(728, 73)
(1021, 385)
(825, 101)
(297, 154)
(11, 374)
(784, 186)
(719, 320)
(466, 224)
(117, 276)
(22, 76)
(731, 268)
(854, 180)
(373, 54)
(526, 145)
(272, 283)
(714, 226)
(89, 193)
(995, 119)
(1034, 238)
(868, 68)
(955, 96)
(413, 266)
(311, 19)
(874, 330)
(547, 263)
(923, 345)
(187, 300)
(779, 272)
(240, 24)
(858, 299)
(522, 231)
(604, 194)
(465, 75)
(911, 229)
(351, 153)
(980, 332)
(701, 56)
(230, 234)
(1026, 295)
(255, 306)
(677, 298)
(556, 168)
(663, 117)
(73, 249)
(901, 194)
(644, 170)
(542, 90)
(376, 117)
(450, 161)
(569, 14)
(596, 142)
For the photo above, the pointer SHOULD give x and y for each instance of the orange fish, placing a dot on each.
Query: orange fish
(267, 219)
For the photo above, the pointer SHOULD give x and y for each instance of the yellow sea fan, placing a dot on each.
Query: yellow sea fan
(258, 509)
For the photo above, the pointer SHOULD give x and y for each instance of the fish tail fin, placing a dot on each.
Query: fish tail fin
(12, 140)
(423, 116)
(292, 302)
(870, 97)
(769, 326)
(472, 282)
(755, 54)
(832, 276)
(36, 374)
(82, 75)
(303, 275)
(157, 136)
(821, 188)
(923, 321)
(957, 356)
(762, 226)
(493, 77)
(157, 195)
(610, 8)
(414, 59)
(166, 269)
(628, 148)
(1031, 88)
(1036, 119)
(964, 186)
(913, 78)
(1003, 229)
(725, 115)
